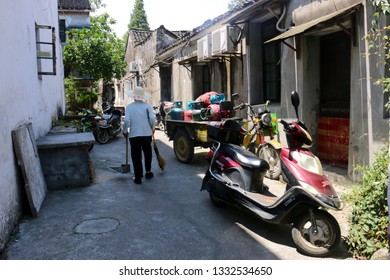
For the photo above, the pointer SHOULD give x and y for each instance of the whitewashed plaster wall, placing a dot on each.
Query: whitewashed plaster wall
(25, 97)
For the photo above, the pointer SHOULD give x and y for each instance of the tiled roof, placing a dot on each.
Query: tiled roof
(74, 5)
(180, 33)
(138, 36)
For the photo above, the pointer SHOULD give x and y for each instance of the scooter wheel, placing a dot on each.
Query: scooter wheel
(320, 243)
(102, 136)
(272, 156)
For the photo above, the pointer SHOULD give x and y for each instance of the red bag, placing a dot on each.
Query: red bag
(205, 98)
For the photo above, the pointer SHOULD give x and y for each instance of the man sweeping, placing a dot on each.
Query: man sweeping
(139, 127)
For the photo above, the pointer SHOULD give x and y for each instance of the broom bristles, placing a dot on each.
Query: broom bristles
(160, 159)
(161, 162)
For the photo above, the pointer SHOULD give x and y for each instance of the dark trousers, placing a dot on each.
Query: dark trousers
(138, 145)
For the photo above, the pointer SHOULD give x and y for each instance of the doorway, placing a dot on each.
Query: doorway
(165, 83)
(335, 96)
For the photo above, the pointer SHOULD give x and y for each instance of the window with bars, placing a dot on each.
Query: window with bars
(62, 30)
(46, 49)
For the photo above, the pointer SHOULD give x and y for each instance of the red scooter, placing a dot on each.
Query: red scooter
(236, 177)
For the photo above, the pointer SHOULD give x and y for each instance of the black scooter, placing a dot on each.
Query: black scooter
(109, 126)
(104, 126)
(235, 176)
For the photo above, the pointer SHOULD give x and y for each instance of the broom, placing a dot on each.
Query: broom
(160, 159)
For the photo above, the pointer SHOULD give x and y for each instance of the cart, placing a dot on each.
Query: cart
(187, 135)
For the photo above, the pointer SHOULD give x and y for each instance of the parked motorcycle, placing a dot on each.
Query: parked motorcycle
(88, 123)
(159, 121)
(108, 109)
(258, 126)
(110, 125)
(165, 109)
(235, 176)
(103, 126)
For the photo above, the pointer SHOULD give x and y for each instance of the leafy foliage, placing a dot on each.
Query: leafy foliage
(379, 43)
(96, 4)
(383, 6)
(369, 218)
(77, 97)
(233, 3)
(96, 52)
(138, 18)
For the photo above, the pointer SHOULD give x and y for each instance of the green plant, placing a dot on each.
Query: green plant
(379, 43)
(96, 52)
(369, 217)
(69, 123)
(77, 97)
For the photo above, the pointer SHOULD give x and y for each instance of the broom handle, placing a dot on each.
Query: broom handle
(127, 151)
(154, 140)
(161, 162)
(151, 125)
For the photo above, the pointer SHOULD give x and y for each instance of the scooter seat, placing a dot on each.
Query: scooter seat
(244, 157)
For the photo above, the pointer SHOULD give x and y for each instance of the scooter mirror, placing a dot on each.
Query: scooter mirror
(295, 102)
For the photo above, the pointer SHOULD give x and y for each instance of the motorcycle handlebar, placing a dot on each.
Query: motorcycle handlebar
(283, 122)
(240, 106)
(287, 126)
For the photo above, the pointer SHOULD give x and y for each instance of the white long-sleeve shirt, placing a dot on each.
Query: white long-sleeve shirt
(136, 119)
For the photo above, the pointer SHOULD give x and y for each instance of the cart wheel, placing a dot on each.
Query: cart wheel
(183, 146)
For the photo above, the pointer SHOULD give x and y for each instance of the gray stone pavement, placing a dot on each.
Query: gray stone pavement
(165, 218)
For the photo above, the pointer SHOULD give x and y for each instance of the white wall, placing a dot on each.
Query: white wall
(24, 96)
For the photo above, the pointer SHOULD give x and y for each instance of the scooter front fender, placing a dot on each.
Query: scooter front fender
(275, 144)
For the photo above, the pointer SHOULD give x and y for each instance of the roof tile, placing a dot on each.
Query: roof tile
(74, 4)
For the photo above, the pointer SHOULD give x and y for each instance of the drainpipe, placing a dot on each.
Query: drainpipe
(368, 86)
(247, 66)
(296, 64)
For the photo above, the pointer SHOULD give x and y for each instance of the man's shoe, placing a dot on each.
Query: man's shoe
(149, 175)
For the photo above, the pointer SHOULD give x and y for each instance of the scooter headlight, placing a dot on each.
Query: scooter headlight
(310, 163)
(266, 119)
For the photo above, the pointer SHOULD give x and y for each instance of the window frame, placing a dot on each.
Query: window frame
(40, 54)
